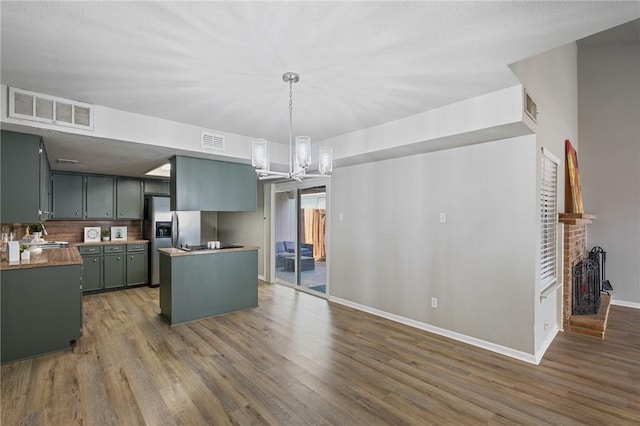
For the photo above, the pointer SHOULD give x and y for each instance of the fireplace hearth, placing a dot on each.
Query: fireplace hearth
(586, 287)
(593, 318)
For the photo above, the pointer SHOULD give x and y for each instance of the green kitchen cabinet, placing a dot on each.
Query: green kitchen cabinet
(41, 310)
(114, 270)
(91, 272)
(128, 198)
(114, 265)
(100, 197)
(209, 185)
(22, 159)
(156, 187)
(68, 196)
(137, 264)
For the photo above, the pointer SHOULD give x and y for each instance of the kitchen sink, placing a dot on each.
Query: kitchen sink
(47, 246)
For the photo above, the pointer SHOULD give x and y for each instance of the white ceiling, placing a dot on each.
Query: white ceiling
(219, 64)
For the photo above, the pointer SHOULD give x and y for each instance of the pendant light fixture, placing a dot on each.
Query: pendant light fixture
(299, 158)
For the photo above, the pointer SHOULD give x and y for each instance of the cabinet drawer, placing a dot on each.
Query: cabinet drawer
(137, 247)
(114, 249)
(90, 249)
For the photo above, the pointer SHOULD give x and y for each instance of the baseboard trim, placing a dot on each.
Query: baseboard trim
(545, 345)
(483, 344)
(633, 305)
(261, 277)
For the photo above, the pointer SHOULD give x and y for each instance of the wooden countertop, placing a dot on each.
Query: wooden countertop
(105, 243)
(48, 257)
(175, 252)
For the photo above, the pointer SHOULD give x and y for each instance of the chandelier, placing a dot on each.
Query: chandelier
(299, 158)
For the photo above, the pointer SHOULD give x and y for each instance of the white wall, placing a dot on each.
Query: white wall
(391, 253)
(551, 80)
(609, 160)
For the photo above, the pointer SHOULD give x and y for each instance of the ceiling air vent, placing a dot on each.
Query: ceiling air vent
(27, 105)
(212, 141)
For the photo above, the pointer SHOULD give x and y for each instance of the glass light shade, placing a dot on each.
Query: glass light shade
(303, 152)
(260, 154)
(325, 160)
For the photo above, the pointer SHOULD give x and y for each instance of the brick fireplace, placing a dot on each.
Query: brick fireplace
(575, 250)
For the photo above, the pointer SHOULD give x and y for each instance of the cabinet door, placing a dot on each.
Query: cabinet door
(91, 272)
(209, 185)
(45, 185)
(20, 177)
(68, 190)
(136, 268)
(114, 267)
(128, 198)
(156, 187)
(100, 197)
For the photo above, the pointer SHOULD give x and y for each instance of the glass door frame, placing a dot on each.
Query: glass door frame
(296, 187)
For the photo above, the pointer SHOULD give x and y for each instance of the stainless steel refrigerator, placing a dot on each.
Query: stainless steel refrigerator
(164, 228)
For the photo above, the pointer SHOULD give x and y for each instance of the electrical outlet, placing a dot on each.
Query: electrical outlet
(546, 324)
(434, 302)
(443, 217)
(341, 216)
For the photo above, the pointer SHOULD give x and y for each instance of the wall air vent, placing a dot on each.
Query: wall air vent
(27, 105)
(530, 107)
(212, 141)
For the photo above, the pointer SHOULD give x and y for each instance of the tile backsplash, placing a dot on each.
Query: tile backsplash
(73, 230)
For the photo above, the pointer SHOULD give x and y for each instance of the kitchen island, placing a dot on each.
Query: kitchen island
(200, 284)
(41, 305)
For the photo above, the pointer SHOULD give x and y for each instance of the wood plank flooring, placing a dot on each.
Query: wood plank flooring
(299, 360)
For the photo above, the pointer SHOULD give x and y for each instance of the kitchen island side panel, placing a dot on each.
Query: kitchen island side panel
(41, 310)
(165, 287)
(200, 286)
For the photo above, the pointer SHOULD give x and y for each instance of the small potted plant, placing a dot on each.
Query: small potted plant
(105, 235)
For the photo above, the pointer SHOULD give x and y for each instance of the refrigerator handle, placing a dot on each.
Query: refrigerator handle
(175, 226)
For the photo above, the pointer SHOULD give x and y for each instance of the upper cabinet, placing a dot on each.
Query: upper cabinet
(128, 198)
(68, 196)
(96, 197)
(25, 194)
(156, 187)
(209, 185)
(100, 194)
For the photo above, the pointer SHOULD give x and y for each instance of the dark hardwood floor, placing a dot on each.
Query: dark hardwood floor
(299, 360)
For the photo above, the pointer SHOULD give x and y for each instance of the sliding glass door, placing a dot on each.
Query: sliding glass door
(285, 208)
(313, 221)
(299, 212)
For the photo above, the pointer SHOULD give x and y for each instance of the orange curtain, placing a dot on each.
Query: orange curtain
(313, 231)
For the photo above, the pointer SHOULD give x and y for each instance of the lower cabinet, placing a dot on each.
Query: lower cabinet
(91, 272)
(137, 264)
(113, 266)
(114, 270)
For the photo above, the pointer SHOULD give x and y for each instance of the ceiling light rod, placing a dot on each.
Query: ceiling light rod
(300, 159)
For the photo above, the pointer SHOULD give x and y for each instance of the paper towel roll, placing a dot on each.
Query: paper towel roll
(14, 251)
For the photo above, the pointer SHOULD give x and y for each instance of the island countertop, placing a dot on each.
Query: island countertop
(173, 252)
(48, 257)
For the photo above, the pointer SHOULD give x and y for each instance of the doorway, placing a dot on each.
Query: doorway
(299, 236)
